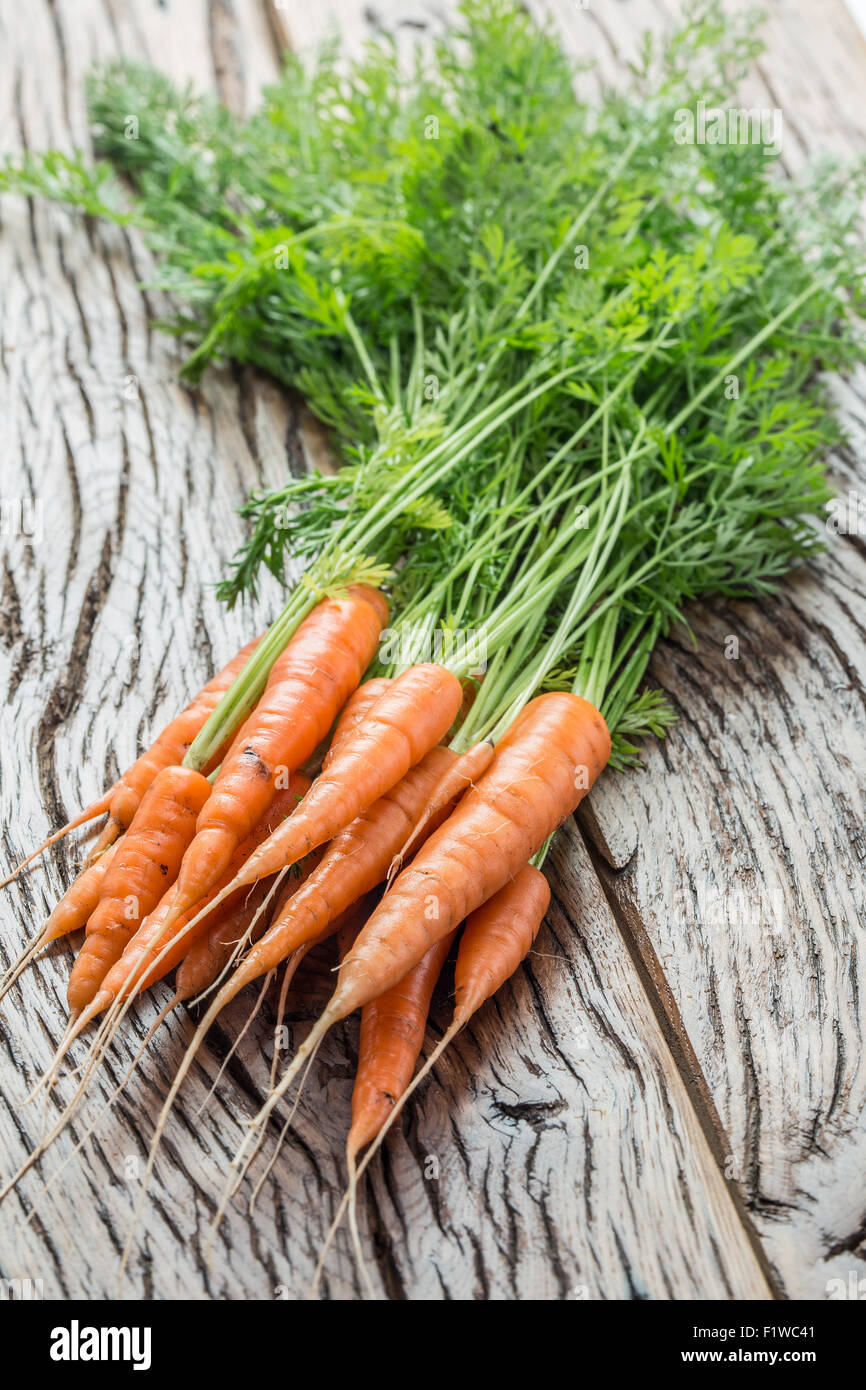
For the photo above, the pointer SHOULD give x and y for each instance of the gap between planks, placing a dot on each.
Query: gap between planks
(662, 1001)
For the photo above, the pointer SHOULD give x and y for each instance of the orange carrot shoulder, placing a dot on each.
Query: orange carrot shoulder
(308, 685)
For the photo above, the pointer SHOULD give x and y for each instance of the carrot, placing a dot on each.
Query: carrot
(495, 939)
(70, 914)
(392, 1034)
(355, 712)
(146, 861)
(309, 683)
(409, 719)
(354, 863)
(80, 899)
(208, 954)
(167, 749)
(465, 770)
(541, 770)
(356, 860)
(154, 949)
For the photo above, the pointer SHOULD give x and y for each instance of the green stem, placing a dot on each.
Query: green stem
(244, 692)
(755, 342)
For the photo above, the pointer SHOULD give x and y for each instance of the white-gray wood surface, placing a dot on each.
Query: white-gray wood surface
(668, 1101)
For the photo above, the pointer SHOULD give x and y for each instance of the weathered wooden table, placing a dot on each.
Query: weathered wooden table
(668, 1101)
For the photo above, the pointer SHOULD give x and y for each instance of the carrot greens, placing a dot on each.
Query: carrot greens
(511, 304)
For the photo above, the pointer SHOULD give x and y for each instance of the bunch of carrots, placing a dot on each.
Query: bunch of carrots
(453, 834)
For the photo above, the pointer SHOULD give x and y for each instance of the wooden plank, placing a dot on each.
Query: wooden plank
(99, 608)
(554, 1155)
(738, 855)
(594, 1237)
(110, 618)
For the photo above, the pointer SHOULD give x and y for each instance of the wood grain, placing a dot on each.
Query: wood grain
(585, 1128)
(737, 858)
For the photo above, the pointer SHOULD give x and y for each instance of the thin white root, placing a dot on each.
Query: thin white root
(49, 1076)
(351, 1163)
(83, 818)
(63, 1120)
(356, 1236)
(233, 1181)
(44, 1143)
(309, 1046)
(163, 1014)
(329, 1240)
(241, 941)
(288, 975)
(279, 1144)
(118, 1010)
(231, 1052)
(16, 970)
(322, 1027)
(186, 1063)
(109, 1104)
(98, 1049)
(348, 1198)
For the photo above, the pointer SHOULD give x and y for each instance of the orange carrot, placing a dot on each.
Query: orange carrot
(155, 949)
(356, 861)
(495, 939)
(409, 719)
(80, 899)
(356, 710)
(169, 748)
(392, 1034)
(353, 864)
(541, 770)
(465, 770)
(147, 860)
(208, 954)
(308, 685)
(70, 914)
